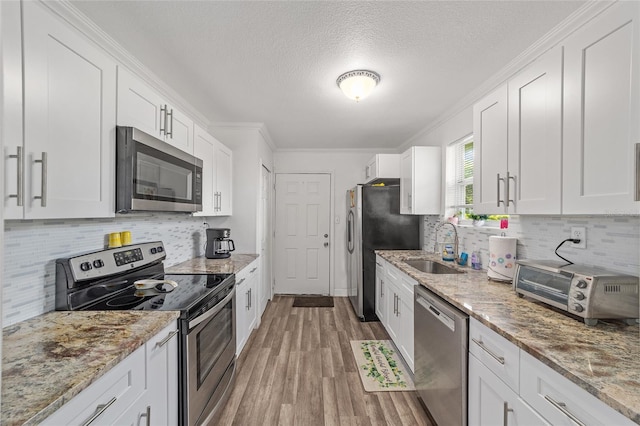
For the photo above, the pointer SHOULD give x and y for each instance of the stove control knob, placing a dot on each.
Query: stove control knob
(98, 263)
(578, 307)
(579, 295)
(160, 249)
(85, 266)
(582, 284)
(154, 250)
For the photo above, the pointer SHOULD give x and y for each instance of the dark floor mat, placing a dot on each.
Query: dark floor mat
(313, 302)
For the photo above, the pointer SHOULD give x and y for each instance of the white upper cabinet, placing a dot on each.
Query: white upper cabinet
(420, 180)
(69, 121)
(382, 166)
(489, 151)
(224, 175)
(142, 107)
(535, 137)
(601, 110)
(216, 174)
(518, 142)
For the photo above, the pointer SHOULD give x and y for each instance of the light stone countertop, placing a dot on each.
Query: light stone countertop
(202, 265)
(49, 359)
(604, 360)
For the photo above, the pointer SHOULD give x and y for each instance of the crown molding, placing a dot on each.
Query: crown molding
(74, 17)
(551, 39)
(372, 151)
(257, 126)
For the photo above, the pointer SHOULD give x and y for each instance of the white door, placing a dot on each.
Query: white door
(265, 238)
(302, 233)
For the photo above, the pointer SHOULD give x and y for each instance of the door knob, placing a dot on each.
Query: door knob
(326, 235)
(326, 244)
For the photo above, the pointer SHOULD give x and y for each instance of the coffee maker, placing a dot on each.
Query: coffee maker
(219, 245)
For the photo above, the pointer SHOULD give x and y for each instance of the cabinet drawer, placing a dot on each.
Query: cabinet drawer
(497, 353)
(405, 287)
(559, 400)
(114, 392)
(247, 272)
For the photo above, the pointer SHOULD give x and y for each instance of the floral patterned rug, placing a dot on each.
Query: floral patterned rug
(380, 366)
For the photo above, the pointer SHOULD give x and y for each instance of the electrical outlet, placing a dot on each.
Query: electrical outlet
(579, 233)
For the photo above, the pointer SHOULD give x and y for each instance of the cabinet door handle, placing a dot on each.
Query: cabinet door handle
(43, 181)
(381, 288)
(563, 408)
(164, 341)
(637, 198)
(147, 415)
(163, 114)
(409, 206)
(498, 200)
(366, 172)
(247, 306)
(507, 188)
(505, 413)
(101, 408)
(170, 133)
(480, 343)
(253, 270)
(19, 195)
(240, 282)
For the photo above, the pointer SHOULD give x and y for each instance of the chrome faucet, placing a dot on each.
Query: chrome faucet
(455, 233)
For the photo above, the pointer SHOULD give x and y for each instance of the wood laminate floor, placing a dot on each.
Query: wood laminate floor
(298, 369)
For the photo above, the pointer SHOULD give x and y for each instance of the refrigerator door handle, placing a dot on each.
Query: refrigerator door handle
(350, 244)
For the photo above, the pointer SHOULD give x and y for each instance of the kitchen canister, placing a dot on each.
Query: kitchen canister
(502, 258)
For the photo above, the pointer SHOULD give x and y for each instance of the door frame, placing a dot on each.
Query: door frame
(331, 215)
(264, 269)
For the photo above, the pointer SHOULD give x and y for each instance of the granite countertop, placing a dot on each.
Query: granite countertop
(604, 360)
(49, 359)
(202, 265)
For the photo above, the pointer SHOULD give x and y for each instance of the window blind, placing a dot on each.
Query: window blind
(459, 189)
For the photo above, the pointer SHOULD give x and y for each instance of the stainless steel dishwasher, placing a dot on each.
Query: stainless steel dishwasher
(441, 354)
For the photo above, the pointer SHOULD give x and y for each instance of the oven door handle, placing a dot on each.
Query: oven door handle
(213, 311)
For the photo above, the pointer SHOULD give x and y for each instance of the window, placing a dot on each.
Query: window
(459, 190)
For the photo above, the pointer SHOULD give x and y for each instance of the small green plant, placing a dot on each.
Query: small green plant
(473, 216)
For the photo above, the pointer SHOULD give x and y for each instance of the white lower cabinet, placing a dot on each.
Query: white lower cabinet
(247, 281)
(162, 377)
(508, 386)
(398, 319)
(141, 389)
(559, 400)
(492, 402)
(381, 305)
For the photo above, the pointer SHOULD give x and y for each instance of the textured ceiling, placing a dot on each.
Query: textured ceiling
(277, 62)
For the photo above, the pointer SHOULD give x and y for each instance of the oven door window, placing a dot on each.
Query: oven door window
(212, 340)
(552, 286)
(158, 176)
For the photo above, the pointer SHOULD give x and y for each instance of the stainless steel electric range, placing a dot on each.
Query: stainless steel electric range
(132, 277)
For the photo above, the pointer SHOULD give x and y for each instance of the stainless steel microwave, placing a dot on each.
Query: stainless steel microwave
(152, 175)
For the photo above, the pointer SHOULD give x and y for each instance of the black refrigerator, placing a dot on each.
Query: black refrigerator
(374, 222)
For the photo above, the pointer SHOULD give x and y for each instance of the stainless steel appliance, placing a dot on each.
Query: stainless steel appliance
(219, 245)
(152, 175)
(441, 334)
(374, 222)
(590, 293)
(105, 280)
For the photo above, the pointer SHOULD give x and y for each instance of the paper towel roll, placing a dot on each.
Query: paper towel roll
(502, 258)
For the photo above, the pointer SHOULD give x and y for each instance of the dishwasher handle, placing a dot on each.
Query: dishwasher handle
(444, 319)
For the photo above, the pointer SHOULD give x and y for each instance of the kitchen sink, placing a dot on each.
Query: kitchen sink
(432, 267)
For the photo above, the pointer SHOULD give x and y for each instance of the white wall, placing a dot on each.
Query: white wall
(347, 168)
(250, 151)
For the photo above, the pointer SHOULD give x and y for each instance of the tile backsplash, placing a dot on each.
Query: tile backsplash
(32, 246)
(613, 242)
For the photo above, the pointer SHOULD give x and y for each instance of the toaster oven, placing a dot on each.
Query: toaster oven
(585, 291)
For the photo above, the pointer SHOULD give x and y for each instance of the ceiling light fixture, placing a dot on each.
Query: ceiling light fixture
(358, 84)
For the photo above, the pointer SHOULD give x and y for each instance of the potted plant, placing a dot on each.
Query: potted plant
(478, 219)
